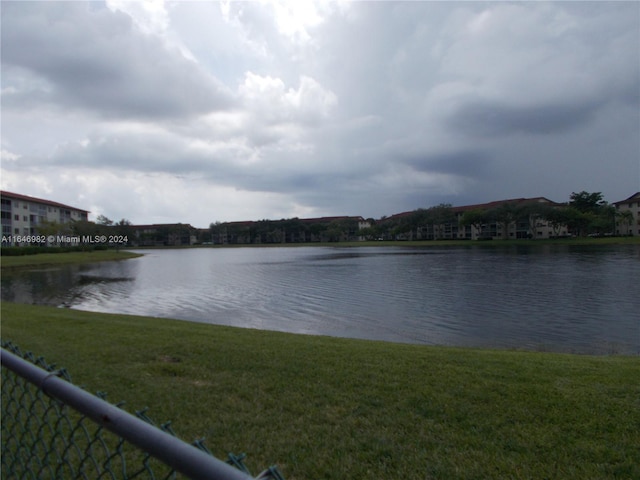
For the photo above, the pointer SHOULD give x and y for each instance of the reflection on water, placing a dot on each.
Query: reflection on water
(552, 298)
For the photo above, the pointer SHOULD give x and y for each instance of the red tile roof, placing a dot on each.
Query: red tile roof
(497, 203)
(27, 198)
(633, 198)
(483, 206)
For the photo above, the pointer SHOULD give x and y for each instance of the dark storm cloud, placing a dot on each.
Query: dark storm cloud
(328, 108)
(494, 119)
(66, 55)
(468, 163)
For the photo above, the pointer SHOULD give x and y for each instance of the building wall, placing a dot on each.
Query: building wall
(632, 205)
(22, 216)
(516, 230)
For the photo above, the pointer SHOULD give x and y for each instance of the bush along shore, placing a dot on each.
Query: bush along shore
(334, 408)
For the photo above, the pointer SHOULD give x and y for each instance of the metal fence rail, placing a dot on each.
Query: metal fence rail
(52, 429)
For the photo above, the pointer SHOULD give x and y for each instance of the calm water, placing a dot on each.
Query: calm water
(567, 299)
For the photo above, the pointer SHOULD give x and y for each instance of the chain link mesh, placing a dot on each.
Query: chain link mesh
(44, 439)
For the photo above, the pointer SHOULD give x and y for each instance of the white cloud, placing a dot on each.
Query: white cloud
(269, 98)
(71, 57)
(294, 17)
(273, 109)
(531, 57)
(8, 156)
(151, 16)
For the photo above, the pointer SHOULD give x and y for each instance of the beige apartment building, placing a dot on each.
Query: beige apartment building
(22, 215)
(526, 227)
(628, 215)
(531, 226)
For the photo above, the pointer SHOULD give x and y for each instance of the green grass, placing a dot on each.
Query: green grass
(330, 408)
(44, 259)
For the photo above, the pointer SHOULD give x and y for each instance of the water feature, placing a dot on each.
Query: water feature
(558, 298)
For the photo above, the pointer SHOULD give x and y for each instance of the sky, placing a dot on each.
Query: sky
(199, 111)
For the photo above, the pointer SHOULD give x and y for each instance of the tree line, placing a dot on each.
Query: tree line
(292, 230)
(585, 214)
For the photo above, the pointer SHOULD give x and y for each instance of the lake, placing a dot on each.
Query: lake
(551, 298)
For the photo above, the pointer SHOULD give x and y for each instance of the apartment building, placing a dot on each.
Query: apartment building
(448, 225)
(162, 234)
(628, 215)
(527, 226)
(22, 215)
(293, 230)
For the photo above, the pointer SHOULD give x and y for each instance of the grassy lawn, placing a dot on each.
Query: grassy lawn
(44, 259)
(329, 408)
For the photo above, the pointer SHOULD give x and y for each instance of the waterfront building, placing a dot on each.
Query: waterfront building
(162, 234)
(24, 216)
(503, 219)
(292, 230)
(628, 215)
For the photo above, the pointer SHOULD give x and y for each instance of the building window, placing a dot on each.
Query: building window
(16, 231)
(16, 218)
(25, 206)
(25, 218)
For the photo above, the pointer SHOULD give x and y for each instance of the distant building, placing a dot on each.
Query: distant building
(162, 235)
(525, 227)
(23, 215)
(628, 215)
(451, 228)
(293, 230)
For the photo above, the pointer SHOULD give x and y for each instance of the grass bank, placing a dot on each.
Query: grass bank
(49, 259)
(335, 408)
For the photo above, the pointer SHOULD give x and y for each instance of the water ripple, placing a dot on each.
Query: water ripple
(554, 299)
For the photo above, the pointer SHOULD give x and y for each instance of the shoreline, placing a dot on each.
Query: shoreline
(307, 403)
(60, 258)
(51, 259)
(578, 241)
(605, 351)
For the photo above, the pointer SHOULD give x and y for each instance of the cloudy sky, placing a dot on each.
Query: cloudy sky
(196, 112)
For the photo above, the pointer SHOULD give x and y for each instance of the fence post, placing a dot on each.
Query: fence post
(180, 456)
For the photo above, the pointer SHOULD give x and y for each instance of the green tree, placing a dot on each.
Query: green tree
(476, 218)
(624, 220)
(587, 202)
(441, 218)
(102, 220)
(578, 221)
(317, 231)
(558, 217)
(48, 228)
(604, 220)
(505, 215)
(123, 229)
(535, 213)
(596, 215)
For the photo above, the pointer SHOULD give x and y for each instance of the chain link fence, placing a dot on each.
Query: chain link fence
(52, 429)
